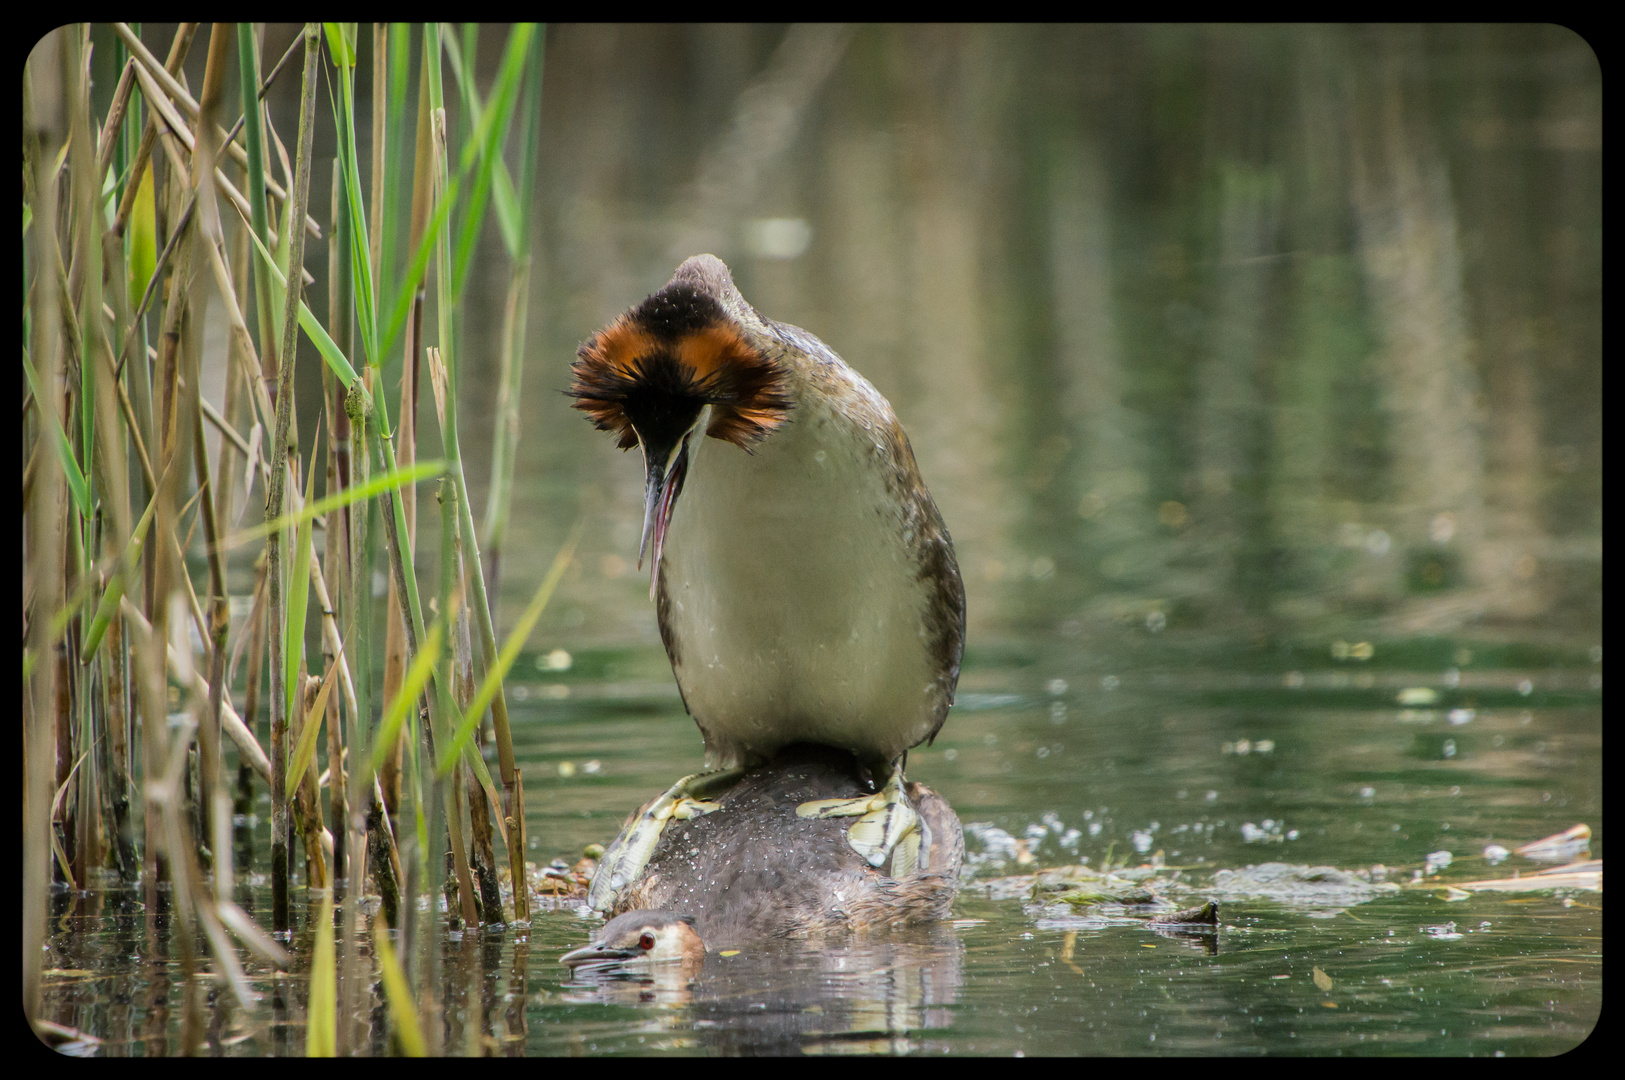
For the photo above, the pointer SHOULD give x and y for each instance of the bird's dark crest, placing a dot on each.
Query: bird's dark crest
(671, 355)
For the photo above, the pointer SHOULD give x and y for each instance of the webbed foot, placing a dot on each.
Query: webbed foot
(631, 851)
(887, 826)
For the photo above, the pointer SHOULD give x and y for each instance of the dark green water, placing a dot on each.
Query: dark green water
(1350, 780)
(1336, 773)
(1257, 374)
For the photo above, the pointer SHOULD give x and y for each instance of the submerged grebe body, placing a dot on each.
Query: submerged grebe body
(754, 869)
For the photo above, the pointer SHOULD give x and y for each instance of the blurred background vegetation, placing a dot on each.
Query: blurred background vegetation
(1242, 328)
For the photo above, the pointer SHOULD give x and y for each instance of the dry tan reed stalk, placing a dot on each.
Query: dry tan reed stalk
(231, 723)
(178, 49)
(176, 128)
(451, 603)
(212, 798)
(165, 89)
(45, 130)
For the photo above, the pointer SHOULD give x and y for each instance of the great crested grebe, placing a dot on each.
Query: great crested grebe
(805, 585)
(753, 869)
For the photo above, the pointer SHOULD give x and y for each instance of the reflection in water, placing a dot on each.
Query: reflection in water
(832, 996)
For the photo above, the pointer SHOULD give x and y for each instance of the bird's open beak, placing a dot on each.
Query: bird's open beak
(664, 483)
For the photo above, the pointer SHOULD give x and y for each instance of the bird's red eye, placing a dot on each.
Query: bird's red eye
(646, 942)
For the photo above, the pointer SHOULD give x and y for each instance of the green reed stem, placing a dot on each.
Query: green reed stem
(279, 459)
(248, 66)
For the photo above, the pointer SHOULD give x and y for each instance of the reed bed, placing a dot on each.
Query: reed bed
(152, 714)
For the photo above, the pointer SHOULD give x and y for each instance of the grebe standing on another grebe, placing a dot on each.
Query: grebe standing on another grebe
(805, 584)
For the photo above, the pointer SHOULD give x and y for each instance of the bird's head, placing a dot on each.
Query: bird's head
(681, 365)
(641, 936)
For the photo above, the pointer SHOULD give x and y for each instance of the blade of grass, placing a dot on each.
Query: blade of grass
(417, 677)
(361, 262)
(412, 474)
(298, 600)
(306, 749)
(394, 158)
(442, 209)
(505, 200)
(402, 1011)
(313, 330)
(248, 68)
(232, 723)
(321, 1032)
(513, 207)
(143, 257)
(491, 131)
(226, 956)
(59, 441)
(108, 605)
(416, 270)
